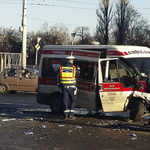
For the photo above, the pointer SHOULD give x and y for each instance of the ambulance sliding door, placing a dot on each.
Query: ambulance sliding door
(116, 82)
(86, 84)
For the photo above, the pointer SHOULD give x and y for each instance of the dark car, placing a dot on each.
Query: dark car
(14, 80)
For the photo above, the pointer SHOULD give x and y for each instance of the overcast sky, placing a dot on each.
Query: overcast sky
(71, 13)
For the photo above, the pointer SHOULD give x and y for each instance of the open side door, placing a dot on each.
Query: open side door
(116, 82)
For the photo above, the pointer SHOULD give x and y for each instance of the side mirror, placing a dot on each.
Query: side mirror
(137, 82)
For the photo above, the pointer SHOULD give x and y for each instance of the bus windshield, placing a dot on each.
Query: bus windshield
(142, 65)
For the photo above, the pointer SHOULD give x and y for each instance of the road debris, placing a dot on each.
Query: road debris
(133, 136)
(43, 126)
(9, 119)
(78, 127)
(61, 125)
(29, 133)
(29, 119)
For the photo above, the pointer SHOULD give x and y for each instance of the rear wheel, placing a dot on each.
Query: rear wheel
(56, 104)
(3, 89)
(137, 111)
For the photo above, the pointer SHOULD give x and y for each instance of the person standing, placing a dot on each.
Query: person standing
(66, 79)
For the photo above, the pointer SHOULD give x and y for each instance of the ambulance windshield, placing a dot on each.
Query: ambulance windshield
(142, 65)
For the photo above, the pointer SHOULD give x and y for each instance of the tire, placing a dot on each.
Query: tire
(137, 111)
(12, 92)
(56, 104)
(3, 89)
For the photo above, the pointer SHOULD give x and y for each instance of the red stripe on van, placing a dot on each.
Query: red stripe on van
(75, 53)
(56, 52)
(86, 54)
(107, 87)
(114, 53)
(47, 81)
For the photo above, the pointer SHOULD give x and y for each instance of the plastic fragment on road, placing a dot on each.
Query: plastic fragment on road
(9, 119)
(29, 119)
(29, 133)
(133, 138)
(43, 126)
(133, 135)
(78, 127)
(61, 125)
(100, 124)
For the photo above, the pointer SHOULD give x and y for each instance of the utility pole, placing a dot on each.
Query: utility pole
(23, 29)
(73, 36)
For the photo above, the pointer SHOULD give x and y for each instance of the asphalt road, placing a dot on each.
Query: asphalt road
(26, 125)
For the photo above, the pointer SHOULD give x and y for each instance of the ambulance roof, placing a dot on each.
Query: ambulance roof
(96, 47)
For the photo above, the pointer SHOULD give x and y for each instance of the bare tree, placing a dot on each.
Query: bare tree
(122, 21)
(10, 40)
(83, 35)
(139, 30)
(105, 16)
(57, 34)
(51, 35)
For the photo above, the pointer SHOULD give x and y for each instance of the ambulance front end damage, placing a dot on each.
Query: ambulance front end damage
(120, 89)
(139, 105)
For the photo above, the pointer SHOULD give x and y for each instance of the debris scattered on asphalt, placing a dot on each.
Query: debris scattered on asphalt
(100, 124)
(134, 136)
(29, 119)
(42, 138)
(70, 131)
(9, 119)
(108, 130)
(61, 125)
(43, 126)
(78, 127)
(30, 133)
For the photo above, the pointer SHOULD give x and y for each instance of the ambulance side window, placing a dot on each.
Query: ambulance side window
(126, 76)
(47, 68)
(87, 70)
(113, 73)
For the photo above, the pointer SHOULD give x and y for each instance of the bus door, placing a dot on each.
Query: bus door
(116, 82)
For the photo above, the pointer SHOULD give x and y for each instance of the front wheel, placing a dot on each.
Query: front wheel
(137, 111)
(3, 89)
(56, 104)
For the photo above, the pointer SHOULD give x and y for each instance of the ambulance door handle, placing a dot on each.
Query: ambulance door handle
(92, 87)
(100, 87)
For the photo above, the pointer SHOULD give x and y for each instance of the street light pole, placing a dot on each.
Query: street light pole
(73, 36)
(24, 33)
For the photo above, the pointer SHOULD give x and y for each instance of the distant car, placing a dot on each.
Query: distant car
(13, 80)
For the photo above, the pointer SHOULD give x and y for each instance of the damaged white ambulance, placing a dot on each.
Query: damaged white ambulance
(107, 84)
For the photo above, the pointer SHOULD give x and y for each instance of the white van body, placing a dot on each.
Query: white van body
(111, 89)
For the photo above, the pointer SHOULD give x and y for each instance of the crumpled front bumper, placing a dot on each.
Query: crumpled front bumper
(143, 95)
